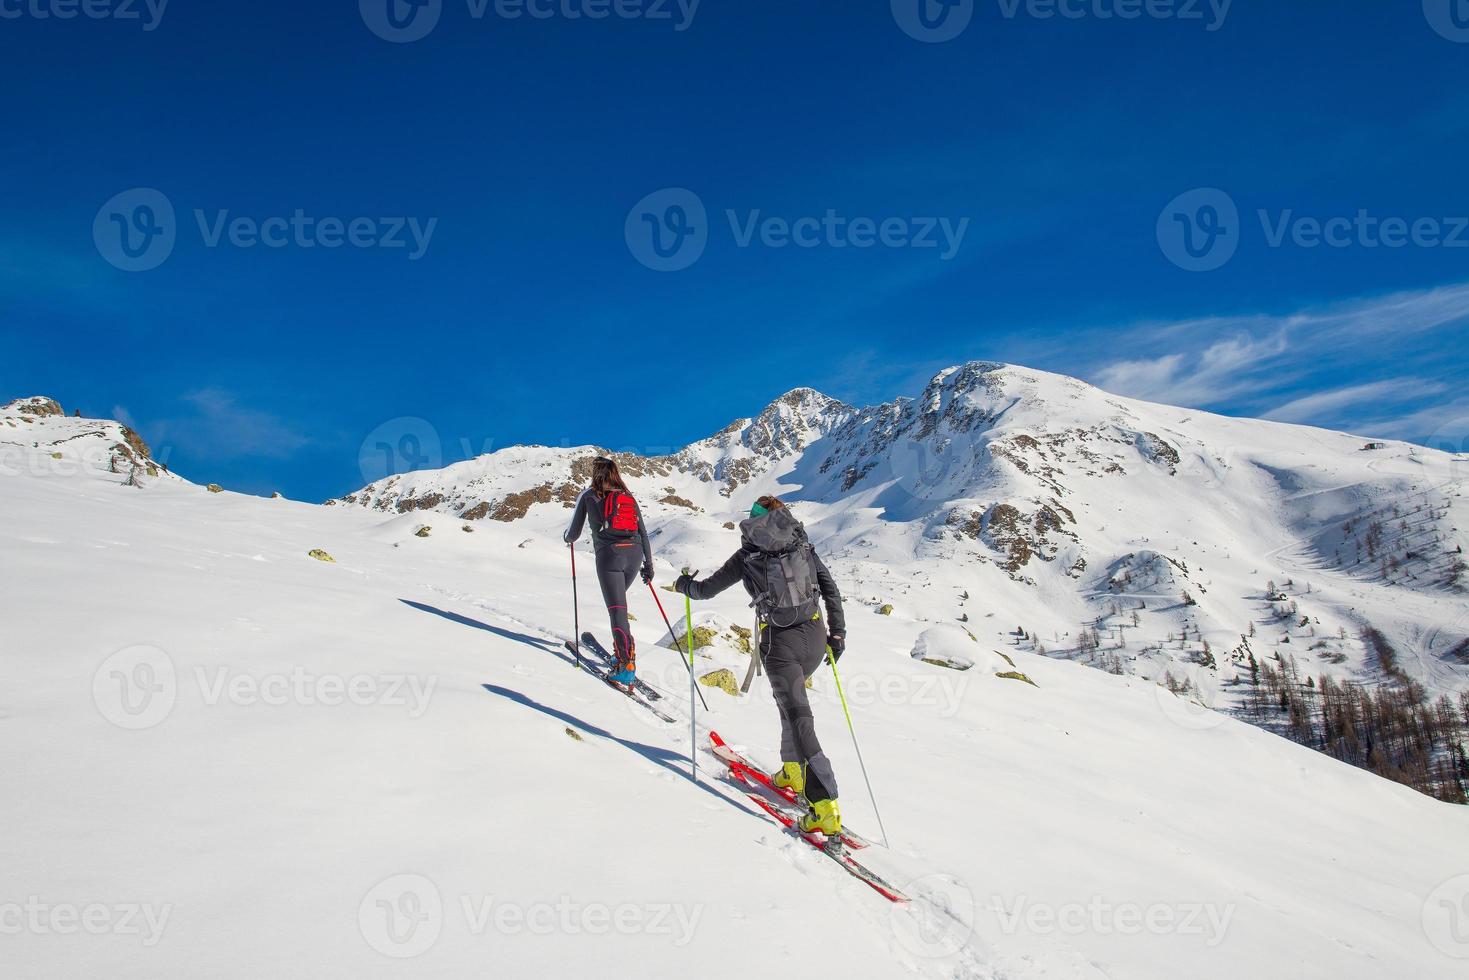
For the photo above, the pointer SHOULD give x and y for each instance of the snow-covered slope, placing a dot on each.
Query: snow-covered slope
(224, 757)
(38, 438)
(1157, 541)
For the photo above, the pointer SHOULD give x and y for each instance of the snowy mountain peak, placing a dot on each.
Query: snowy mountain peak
(35, 405)
(793, 421)
(504, 485)
(1072, 510)
(966, 374)
(38, 437)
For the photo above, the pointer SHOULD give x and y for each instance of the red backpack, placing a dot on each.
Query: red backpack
(619, 514)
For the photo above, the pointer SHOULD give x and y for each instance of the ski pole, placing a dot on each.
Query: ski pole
(689, 659)
(575, 609)
(688, 632)
(851, 728)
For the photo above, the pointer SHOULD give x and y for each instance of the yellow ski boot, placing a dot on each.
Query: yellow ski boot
(792, 775)
(825, 817)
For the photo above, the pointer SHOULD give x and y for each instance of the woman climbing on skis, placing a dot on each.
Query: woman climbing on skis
(621, 545)
(788, 582)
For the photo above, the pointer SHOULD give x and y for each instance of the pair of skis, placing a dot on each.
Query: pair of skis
(793, 803)
(784, 806)
(639, 692)
(781, 803)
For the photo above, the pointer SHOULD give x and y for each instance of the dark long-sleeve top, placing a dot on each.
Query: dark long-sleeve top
(741, 568)
(589, 509)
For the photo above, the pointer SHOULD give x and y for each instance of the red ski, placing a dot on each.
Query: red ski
(734, 760)
(833, 848)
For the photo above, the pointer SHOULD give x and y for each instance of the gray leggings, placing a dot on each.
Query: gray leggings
(792, 654)
(617, 569)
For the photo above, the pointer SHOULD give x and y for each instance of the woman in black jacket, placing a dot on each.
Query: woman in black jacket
(784, 575)
(617, 531)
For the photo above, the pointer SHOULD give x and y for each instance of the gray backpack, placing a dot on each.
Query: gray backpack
(783, 563)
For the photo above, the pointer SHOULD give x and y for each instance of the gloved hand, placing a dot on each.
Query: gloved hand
(838, 644)
(648, 573)
(684, 582)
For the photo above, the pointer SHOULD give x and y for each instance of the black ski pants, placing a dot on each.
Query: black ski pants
(792, 654)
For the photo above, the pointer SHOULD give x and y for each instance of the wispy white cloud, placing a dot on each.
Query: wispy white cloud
(1221, 370)
(1440, 425)
(218, 427)
(1375, 393)
(1318, 365)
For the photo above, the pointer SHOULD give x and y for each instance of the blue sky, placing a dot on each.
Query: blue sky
(1074, 161)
